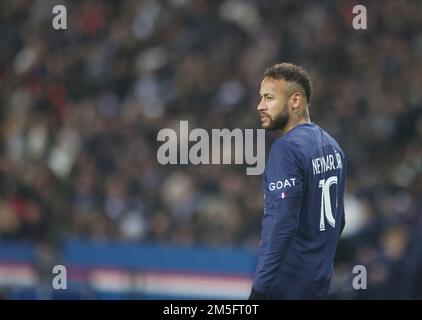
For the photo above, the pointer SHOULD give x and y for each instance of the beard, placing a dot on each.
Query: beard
(279, 122)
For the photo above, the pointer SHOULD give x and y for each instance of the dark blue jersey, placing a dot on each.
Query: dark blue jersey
(304, 184)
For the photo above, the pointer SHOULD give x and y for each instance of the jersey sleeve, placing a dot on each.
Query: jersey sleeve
(343, 222)
(284, 175)
(284, 186)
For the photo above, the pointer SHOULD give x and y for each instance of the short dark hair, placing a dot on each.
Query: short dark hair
(292, 73)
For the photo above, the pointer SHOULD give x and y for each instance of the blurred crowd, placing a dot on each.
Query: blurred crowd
(80, 110)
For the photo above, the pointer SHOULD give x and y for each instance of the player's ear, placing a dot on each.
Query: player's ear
(296, 99)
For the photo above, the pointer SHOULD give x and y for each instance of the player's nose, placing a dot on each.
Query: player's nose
(261, 105)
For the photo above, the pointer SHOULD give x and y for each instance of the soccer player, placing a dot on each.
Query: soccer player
(304, 182)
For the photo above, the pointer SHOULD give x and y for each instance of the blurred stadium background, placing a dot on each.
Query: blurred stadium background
(79, 115)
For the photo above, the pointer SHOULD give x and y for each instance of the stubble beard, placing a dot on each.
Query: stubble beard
(280, 122)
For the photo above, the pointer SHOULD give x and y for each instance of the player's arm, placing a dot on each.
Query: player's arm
(343, 222)
(282, 234)
(343, 218)
(285, 164)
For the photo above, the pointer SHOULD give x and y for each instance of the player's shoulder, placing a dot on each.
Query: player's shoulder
(287, 144)
(332, 141)
(294, 140)
(311, 136)
(304, 140)
(286, 147)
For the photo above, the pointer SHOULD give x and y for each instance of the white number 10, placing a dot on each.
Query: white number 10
(326, 202)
